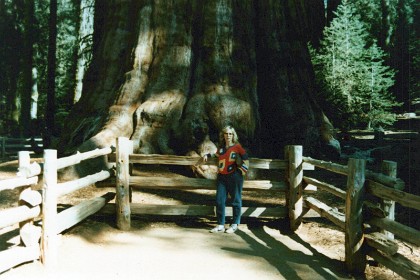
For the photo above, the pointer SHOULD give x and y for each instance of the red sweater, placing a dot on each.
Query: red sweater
(227, 159)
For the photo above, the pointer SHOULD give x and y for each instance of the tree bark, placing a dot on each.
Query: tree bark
(170, 74)
(85, 26)
(52, 41)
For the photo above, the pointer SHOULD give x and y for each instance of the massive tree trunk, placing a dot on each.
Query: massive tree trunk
(171, 74)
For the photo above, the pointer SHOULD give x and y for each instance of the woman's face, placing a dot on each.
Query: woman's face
(228, 135)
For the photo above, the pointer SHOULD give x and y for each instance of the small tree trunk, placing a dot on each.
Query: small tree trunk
(34, 94)
(84, 44)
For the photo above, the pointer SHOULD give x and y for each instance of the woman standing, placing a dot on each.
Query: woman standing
(233, 165)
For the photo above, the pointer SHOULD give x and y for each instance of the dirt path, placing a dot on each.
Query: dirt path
(182, 251)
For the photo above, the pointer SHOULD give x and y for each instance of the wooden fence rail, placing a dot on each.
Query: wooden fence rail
(325, 187)
(18, 214)
(383, 179)
(196, 183)
(79, 157)
(378, 245)
(13, 183)
(326, 211)
(28, 209)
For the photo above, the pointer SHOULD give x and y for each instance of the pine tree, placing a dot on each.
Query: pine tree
(351, 73)
(377, 101)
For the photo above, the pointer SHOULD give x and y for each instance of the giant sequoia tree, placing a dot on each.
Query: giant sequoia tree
(170, 74)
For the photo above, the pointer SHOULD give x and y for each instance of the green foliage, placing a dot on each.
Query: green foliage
(12, 59)
(380, 18)
(351, 72)
(414, 51)
(414, 88)
(393, 24)
(378, 101)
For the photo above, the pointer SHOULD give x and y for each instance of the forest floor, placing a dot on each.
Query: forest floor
(182, 248)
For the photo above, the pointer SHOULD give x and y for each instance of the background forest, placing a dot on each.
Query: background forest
(45, 48)
(366, 62)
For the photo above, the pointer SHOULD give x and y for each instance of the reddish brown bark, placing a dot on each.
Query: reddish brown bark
(171, 74)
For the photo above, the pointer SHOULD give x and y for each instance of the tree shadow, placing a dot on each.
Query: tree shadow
(192, 197)
(6, 237)
(285, 259)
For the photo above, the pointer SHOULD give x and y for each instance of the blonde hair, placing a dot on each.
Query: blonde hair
(235, 138)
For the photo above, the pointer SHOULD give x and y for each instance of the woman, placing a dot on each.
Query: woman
(233, 165)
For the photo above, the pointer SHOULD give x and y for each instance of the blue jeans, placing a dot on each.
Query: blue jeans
(229, 184)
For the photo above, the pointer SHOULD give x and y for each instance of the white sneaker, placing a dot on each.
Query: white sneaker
(219, 228)
(232, 228)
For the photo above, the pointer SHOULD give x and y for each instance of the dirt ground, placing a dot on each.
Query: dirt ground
(182, 248)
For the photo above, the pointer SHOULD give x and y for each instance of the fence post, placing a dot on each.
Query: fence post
(355, 258)
(49, 210)
(389, 168)
(24, 160)
(122, 200)
(294, 200)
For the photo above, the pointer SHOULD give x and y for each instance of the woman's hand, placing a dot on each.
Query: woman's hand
(202, 159)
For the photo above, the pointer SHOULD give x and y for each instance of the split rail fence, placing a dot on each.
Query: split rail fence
(37, 215)
(124, 182)
(28, 209)
(368, 227)
(368, 221)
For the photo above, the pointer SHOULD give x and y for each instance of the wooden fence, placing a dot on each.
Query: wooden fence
(28, 209)
(124, 207)
(11, 146)
(39, 229)
(368, 228)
